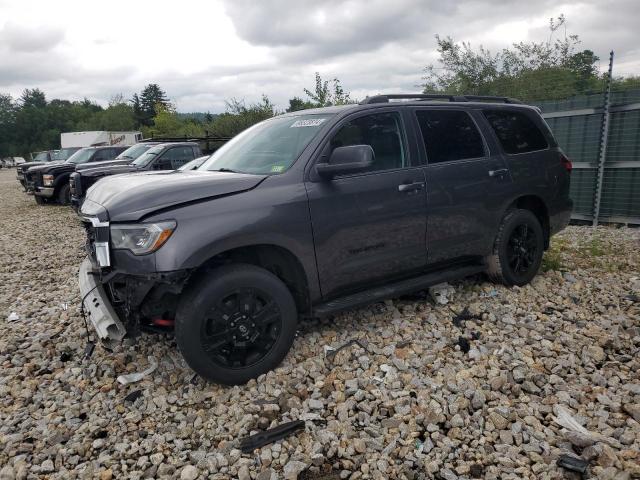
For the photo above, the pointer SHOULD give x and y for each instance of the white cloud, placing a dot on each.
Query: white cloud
(203, 52)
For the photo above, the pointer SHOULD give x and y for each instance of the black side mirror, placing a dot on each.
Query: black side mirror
(346, 160)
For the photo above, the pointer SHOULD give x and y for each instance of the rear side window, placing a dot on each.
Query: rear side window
(449, 135)
(516, 132)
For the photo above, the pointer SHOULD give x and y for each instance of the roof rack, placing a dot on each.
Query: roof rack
(185, 139)
(437, 96)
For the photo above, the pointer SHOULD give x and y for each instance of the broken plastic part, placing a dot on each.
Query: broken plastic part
(137, 376)
(439, 293)
(572, 463)
(13, 316)
(133, 396)
(331, 354)
(249, 444)
(564, 419)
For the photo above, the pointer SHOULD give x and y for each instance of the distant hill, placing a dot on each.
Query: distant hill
(198, 116)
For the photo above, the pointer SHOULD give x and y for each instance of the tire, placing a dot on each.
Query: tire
(40, 200)
(518, 249)
(64, 194)
(217, 332)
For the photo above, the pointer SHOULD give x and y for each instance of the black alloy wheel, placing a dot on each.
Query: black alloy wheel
(518, 249)
(235, 323)
(241, 328)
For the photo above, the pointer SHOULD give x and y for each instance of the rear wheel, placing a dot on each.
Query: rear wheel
(238, 322)
(518, 249)
(64, 195)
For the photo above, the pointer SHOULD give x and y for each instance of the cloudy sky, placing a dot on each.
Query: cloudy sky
(203, 52)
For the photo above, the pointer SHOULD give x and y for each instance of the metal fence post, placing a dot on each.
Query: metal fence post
(604, 137)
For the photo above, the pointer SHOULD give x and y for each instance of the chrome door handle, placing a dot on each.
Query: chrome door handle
(501, 172)
(409, 187)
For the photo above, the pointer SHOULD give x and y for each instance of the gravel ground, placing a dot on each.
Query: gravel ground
(428, 393)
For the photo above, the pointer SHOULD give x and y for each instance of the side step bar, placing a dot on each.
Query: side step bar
(395, 289)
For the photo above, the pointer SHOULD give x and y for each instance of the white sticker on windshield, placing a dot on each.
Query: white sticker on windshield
(307, 123)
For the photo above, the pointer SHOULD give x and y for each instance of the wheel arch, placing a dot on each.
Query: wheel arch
(280, 261)
(536, 205)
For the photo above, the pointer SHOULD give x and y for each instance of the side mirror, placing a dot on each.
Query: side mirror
(345, 160)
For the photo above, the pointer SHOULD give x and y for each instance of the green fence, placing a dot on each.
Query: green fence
(577, 124)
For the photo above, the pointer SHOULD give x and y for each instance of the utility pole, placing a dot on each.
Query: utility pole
(604, 138)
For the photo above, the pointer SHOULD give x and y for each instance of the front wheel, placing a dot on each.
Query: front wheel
(518, 249)
(64, 195)
(236, 323)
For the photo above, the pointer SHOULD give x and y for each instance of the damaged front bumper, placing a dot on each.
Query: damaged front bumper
(103, 317)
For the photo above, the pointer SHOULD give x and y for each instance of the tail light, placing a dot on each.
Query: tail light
(566, 162)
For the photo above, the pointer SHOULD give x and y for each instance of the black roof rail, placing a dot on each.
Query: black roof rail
(185, 139)
(437, 96)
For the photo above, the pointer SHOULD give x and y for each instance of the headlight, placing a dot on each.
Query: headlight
(47, 180)
(141, 238)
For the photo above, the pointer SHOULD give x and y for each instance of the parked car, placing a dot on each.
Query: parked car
(51, 182)
(317, 211)
(194, 164)
(162, 156)
(43, 158)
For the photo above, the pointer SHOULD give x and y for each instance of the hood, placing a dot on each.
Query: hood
(38, 165)
(106, 163)
(57, 167)
(107, 170)
(131, 197)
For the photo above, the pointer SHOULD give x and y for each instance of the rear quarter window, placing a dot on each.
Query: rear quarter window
(516, 132)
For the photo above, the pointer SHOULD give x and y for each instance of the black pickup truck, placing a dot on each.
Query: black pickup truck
(51, 181)
(42, 158)
(153, 156)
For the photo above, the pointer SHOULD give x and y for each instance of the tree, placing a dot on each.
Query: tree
(33, 98)
(297, 103)
(528, 70)
(324, 96)
(7, 119)
(239, 117)
(151, 96)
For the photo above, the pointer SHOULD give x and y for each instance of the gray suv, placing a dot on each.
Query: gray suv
(317, 211)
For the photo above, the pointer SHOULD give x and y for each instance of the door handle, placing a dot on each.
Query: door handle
(410, 187)
(501, 172)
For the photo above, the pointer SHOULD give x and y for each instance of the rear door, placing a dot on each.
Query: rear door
(466, 183)
(370, 225)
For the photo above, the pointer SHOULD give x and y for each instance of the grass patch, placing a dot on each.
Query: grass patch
(552, 259)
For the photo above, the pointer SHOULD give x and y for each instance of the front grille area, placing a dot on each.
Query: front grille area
(90, 241)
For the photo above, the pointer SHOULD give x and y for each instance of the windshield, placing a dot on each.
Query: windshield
(64, 153)
(268, 147)
(41, 157)
(146, 158)
(81, 156)
(133, 152)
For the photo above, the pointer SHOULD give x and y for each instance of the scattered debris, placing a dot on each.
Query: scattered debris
(575, 464)
(13, 316)
(64, 306)
(464, 344)
(88, 350)
(489, 294)
(137, 376)
(65, 356)
(250, 443)
(133, 396)
(439, 293)
(331, 352)
(462, 316)
(578, 435)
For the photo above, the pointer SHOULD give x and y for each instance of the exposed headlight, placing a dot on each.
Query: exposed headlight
(141, 238)
(47, 180)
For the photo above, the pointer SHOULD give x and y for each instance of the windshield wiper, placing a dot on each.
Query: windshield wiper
(125, 156)
(223, 169)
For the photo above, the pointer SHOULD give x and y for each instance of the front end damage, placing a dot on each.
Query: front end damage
(121, 303)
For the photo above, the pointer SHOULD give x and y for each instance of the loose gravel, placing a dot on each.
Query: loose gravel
(429, 391)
